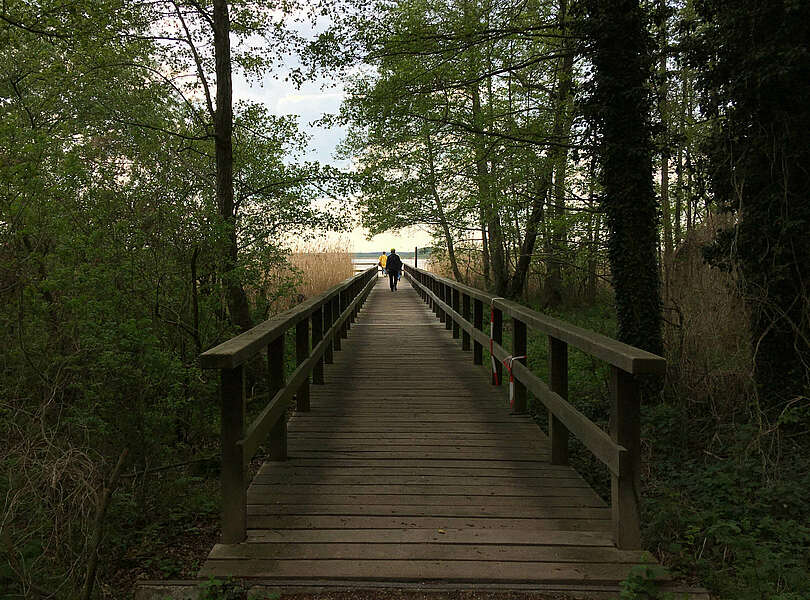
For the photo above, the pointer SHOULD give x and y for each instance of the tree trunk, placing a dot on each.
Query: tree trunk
(536, 217)
(223, 129)
(679, 185)
(556, 159)
(486, 199)
(484, 245)
(451, 252)
(594, 225)
(621, 57)
(663, 107)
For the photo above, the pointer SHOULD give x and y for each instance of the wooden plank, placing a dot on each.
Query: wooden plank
(336, 473)
(415, 510)
(480, 427)
(556, 480)
(394, 418)
(514, 451)
(493, 438)
(408, 463)
(265, 495)
(447, 490)
(432, 551)
(355, 522)
(394, 436)
(417, 570)
(431, 453)
(404, 444)
(449, 535)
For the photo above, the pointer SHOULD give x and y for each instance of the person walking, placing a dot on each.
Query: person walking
(382, 261)
(393, 265)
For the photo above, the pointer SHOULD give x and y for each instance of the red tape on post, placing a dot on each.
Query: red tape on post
(507, 362)
(492, 346)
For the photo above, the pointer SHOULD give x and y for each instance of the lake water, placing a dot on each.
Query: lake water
(363, 263)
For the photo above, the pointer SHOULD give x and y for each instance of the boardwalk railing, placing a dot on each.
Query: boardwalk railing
(461, 308)
(324, 320)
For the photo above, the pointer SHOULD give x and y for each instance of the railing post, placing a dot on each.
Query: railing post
(328, 321)
(626, 487)
(335, 317)
(355, 294)
(457, 308)
(465, 312)
(275, 362)
(234, 496)
(497, 337)
(558, 371)
(317, 336)
(519, 348)
(478, 323)
(448, 299)
(344, 329)
(301, 354)
(440, 293)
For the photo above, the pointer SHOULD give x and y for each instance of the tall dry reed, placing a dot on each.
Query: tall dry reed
(321, 265)
(706, 331)
(304, 271)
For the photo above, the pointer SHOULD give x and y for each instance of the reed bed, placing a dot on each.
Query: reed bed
(321, 265)
(300, 272)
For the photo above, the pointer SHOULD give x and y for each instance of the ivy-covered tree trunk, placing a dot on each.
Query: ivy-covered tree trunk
(620, 51)
(758, 87)
(223, 129)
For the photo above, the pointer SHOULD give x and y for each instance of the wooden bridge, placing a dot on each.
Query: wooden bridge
(402, 464)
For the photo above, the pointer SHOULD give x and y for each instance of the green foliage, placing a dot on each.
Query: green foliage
(714, 508)
(222, 589)
(111, 278)
(735, 520)
(643, 584)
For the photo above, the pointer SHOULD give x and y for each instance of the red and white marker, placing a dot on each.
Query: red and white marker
(507, 362)
(492, 346)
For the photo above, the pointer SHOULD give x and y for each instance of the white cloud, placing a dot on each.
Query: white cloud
(309, 98)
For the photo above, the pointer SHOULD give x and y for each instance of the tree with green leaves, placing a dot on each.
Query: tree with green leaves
(112, 271)
(485, 81)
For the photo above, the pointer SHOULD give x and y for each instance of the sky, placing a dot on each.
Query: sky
(310, 103)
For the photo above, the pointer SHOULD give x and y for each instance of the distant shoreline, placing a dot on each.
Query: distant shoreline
(423, 253)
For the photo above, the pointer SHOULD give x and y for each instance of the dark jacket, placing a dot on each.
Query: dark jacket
(394, 264)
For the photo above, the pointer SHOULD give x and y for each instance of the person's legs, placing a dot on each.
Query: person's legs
(392, 280)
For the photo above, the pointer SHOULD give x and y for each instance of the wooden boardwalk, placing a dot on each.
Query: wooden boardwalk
(410, 469)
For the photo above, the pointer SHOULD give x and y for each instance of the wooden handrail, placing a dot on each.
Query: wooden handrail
(323, 321)
(620, 450)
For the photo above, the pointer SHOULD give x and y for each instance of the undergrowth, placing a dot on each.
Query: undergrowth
(718, 509)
